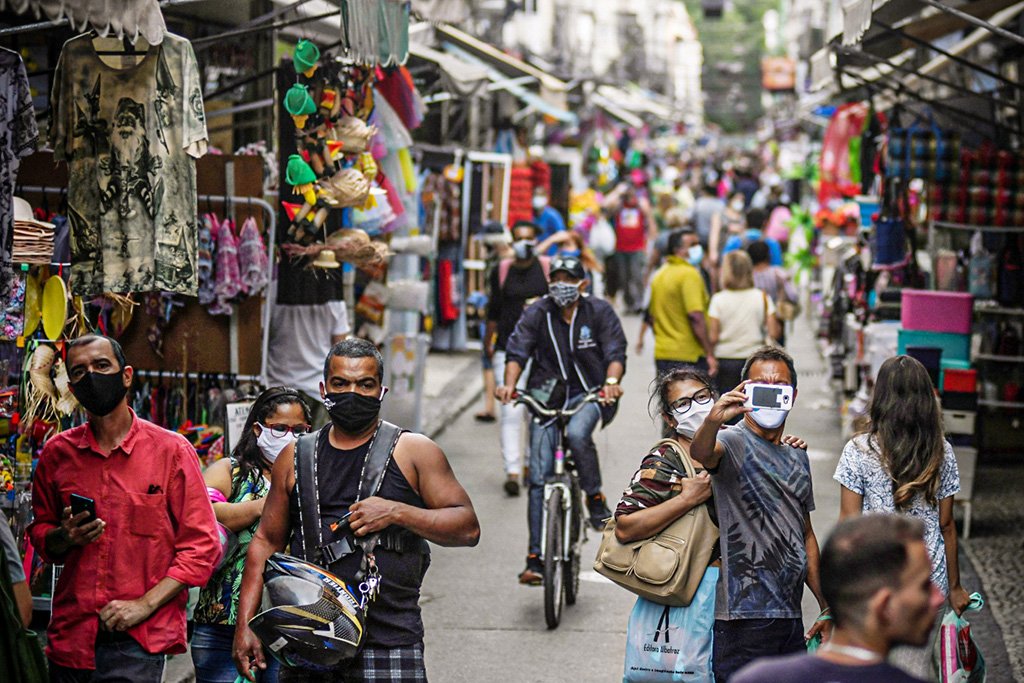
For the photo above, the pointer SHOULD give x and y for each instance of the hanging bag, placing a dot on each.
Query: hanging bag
(889, 246)
(672, 644)
(957, 658)
(668, 567)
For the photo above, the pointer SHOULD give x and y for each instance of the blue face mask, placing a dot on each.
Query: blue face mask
(695, 255)
(570, 252)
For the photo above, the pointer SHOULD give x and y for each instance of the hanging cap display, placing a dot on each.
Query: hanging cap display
(306, 56)
(298, 101)
(298, 171)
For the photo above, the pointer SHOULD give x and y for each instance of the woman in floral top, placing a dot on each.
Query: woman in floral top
(903, 464)
(276, 419)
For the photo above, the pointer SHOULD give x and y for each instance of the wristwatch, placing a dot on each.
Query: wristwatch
(611, 381)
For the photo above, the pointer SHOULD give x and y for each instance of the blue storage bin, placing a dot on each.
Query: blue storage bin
(954, 346)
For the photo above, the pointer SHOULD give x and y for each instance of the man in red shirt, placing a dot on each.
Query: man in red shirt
(119, 606)
(634, 225)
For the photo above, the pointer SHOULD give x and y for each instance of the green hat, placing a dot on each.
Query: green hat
(306, 56)
(298, 101)
(298, 171)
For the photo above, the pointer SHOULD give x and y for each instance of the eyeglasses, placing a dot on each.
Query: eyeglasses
(282, 430)
(683, 404)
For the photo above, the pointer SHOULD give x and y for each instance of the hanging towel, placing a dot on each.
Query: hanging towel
(228, 279)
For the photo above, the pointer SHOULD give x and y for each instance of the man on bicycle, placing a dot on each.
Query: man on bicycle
(577, 345)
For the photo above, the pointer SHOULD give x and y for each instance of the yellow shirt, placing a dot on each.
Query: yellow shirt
(677, 289)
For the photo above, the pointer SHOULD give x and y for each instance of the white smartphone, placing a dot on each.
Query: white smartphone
(774, 396)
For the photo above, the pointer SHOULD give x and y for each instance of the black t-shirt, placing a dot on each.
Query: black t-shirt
(802, 668)
(507, 301)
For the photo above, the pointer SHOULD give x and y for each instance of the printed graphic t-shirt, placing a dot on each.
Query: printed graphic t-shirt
(130, 137)
(762, 493)
(18, 136)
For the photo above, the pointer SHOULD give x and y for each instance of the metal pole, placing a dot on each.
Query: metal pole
(956, 58)
(208, 41)
(981, 23)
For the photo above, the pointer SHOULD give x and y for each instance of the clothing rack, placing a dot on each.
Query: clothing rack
(234, 201)
(219, 376)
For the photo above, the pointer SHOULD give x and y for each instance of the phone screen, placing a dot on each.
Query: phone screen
(766, 397)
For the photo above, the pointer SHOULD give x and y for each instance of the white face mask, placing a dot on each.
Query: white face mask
(270, 445)
(736, 204)
(539, 203)
(769, 418)
(689, 422)
(695, 254)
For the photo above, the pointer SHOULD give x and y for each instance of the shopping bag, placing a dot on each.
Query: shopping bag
(957, 657)
(602, 238)
(672, 644)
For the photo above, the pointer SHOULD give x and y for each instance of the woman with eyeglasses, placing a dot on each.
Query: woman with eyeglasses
(238, 487)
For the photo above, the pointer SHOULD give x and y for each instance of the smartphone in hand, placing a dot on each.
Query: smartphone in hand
(83, 504)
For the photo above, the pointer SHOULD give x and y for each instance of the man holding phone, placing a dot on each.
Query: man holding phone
(122, 505)
(763, 496)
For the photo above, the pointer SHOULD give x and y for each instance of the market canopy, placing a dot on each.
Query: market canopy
(459, 75)
(636, 100)
(122, 18)
(450, 11)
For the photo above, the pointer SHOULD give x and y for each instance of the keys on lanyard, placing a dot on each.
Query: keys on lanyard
(369, 588)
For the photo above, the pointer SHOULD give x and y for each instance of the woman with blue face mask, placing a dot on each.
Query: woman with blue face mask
(238, 487)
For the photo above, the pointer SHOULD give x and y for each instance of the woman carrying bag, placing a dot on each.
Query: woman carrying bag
(664, 642)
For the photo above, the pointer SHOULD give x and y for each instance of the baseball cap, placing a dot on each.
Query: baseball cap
(568, 264)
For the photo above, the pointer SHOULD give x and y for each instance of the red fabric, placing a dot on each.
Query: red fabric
(397, 88)
(846, 124)
(630, 231)
(171, 532)
(445, 298)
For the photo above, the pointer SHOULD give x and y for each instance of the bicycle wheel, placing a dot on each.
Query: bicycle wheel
(554, 587)
(571, 574)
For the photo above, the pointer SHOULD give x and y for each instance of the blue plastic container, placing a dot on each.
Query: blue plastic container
(954, 346)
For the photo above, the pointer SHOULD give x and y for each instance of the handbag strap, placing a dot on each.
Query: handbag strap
(682, 455)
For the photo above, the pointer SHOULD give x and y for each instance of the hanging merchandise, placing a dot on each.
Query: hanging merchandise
(18, 119)
(837, 180)
(375, 31)
(55, 307)
(208, 227)
(228, 278)
(252, 258)
(32, 238)
(12, 308)
(130, 137)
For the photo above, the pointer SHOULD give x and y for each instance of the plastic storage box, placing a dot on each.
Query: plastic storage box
(965, 381)
(926, 310)
(959, 421)
(954, 346)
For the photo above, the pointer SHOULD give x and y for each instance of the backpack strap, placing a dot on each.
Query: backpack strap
(684, 460)
(545, 264)
(309, 496)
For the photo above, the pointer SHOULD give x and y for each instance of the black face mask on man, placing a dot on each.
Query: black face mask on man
(100, 393)
(352, 412)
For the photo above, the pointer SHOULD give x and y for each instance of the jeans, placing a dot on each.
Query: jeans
(740, 641)
(580, 440)
(513, 418)
(211, 656)
(120, 662)
(626, 273)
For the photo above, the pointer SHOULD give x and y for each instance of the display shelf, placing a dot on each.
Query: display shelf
(999, 359)
(1000, 404)
(989, 307)
(975, 228)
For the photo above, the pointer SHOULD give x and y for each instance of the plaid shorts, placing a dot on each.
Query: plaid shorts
(373, 665)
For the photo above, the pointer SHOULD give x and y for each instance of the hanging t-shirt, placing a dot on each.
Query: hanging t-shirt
(130, 136)
(18, 136)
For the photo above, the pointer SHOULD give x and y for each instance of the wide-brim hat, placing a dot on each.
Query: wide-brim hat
(306, 56)
(298, 102)
(298, 171)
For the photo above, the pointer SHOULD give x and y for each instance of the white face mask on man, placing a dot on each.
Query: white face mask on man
(271, 446)
(769, 418)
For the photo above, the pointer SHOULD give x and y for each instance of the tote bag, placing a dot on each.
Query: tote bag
(672, 644)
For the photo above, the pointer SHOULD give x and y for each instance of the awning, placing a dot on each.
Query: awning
(515, 86)
(449, 11)
(636, 101)
(122, 18)
(459, 75)
(505, 63)
(615, 110)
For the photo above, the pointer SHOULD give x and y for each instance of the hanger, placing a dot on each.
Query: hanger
(129, 49)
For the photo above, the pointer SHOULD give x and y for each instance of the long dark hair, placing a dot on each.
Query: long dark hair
(246, 453)
(662, 383)
(906, 425)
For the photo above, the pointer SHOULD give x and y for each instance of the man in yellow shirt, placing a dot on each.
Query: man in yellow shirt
(679, 302)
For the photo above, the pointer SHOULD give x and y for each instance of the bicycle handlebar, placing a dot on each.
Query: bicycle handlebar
(538, 408)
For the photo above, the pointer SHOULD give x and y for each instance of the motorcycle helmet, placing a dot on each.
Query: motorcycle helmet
(310, 618)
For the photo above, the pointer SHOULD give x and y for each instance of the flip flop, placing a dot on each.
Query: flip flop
(484, 417)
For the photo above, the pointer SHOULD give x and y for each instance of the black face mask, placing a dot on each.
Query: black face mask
(99, 393)
(352, 412)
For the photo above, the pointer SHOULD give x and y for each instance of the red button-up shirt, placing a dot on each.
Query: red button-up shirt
(150, 492)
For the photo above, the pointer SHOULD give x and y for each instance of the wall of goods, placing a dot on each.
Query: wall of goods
(935, 269)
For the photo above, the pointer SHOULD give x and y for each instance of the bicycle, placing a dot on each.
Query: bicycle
(563, 529)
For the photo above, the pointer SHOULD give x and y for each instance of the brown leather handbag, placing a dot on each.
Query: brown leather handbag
(666, 568)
